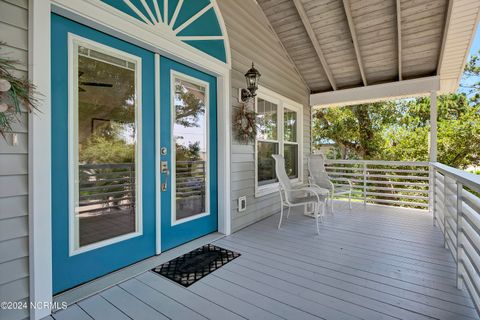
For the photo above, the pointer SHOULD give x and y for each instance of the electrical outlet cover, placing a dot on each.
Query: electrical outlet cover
(242, 204)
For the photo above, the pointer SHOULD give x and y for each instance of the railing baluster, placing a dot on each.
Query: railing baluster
(444, 210)
(459, 232)
(365, 184)
(433, 193)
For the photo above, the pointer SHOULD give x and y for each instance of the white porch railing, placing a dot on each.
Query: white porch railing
(384, 182)
(456, 211)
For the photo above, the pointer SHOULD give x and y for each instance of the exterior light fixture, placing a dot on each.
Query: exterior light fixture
(252, 76)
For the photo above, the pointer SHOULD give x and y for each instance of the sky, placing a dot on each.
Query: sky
(476, 42)
(474, 50)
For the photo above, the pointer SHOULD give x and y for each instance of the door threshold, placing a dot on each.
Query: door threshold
(100, 284)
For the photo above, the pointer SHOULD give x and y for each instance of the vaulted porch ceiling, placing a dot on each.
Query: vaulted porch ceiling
(344, 44)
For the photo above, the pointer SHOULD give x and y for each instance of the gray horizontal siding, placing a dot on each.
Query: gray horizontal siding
(244, 19)
(14, 281)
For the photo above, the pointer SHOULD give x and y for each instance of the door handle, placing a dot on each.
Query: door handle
(166, 174)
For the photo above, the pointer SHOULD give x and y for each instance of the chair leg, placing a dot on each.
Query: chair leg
(350, 199)
(317, 214)
(331, 204)
(281, 216)
(324, 210)
(288, 212)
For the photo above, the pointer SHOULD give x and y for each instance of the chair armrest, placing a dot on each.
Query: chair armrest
(307, 189)
(318, 188)
(345, 179)
(312, 183)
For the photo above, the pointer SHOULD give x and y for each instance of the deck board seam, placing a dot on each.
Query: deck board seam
(366, 261)
(101, 297)
(352, 292)
(335, 297)
(234, 297)
(279, 301)
(337, 241)
(384, 273)
(363, 271)
(376, 281)
(365, 247)
(191, 293)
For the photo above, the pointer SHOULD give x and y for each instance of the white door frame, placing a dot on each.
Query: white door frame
(129, 29)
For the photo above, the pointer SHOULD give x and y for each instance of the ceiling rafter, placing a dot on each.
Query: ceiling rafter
(289, 57)
(351, 25)
(445, 33)
(315, 43)
(399, 40)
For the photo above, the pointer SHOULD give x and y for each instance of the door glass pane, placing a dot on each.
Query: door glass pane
(106, 134)
(190, 132)
(267, 120)
(265, 162)
(290, 125)
(291, 160)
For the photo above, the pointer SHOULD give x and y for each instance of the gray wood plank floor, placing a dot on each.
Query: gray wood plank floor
(372, 262)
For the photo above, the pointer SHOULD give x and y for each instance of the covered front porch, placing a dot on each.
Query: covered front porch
(161, 84)
(371, 262)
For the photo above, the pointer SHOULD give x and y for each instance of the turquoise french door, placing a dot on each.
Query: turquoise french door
(188, 129)
(103, 153)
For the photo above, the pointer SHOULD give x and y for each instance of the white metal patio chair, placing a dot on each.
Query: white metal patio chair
(318, 177)
(297, 196)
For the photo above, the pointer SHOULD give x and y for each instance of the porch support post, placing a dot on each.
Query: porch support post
(433, 152)
(433, 126)
(40, 241)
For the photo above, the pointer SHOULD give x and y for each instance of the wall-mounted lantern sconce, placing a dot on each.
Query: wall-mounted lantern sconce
(252, 76)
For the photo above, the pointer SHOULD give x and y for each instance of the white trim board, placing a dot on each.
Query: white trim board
(123, 27)
(158, 191)
(39, 162)
(397, 90)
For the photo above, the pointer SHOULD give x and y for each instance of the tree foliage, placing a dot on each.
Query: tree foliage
(188, 153)
(356, 130)
(471, 78)
(189, 107)
(106, 145)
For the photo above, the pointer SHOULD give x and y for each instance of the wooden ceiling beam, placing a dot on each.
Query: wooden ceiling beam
(376, 92)
(289, 57)
(314, 41)
(351, 25)
(445, 33)
(399, 40)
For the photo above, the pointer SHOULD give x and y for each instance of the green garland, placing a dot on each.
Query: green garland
(14, 93)
(245, 125)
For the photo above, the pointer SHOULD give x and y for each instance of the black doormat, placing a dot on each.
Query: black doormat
(193, 266)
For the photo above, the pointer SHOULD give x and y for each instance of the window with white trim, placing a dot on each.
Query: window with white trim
(290, 143)
(279, 123)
